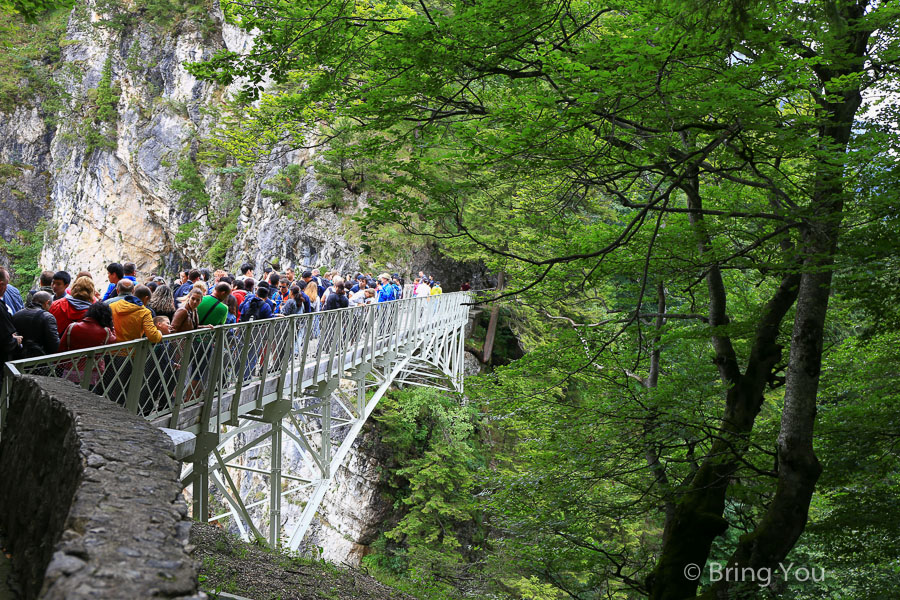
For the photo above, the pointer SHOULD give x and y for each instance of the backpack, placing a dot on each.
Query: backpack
(252, 311)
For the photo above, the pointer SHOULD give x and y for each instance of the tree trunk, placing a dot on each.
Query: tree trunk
(698, 516)
(699, 513)
(798, 468)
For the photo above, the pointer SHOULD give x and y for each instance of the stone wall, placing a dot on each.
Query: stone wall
(90, 505)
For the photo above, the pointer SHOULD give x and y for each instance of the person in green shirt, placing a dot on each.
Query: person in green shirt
(213, 309)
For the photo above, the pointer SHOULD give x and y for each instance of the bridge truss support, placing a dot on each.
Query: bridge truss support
(319, 425)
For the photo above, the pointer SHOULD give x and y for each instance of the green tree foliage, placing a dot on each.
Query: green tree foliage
(220, 217)
(24, 252)
(286, 184)
(99, 131)
(854, 530)
(430, 474)
(670, 189)
(165, 15)
(30, 54)
(31, 10)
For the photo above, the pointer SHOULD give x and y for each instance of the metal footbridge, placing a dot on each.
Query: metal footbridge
(240, 398)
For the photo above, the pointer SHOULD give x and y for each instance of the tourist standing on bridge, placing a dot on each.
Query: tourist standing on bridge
(130, 271)
(246, 272)
(275, 295)
(331, 289)
(162, 302)
(242, 288)
(358, 297)
(45, 284)
(293, 305)
(10, 341)
(256, 307)
(115, 272)
(131, 318)
(337, 297)
(312, 292)
(213, 309)
(388, 290)
(284, 293)
(144, 293)
(37, 326)
(94, 330)
(186, 318)
(185, 288)
(73, 306)
(59, 283)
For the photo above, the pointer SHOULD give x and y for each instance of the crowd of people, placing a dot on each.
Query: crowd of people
(69, 313)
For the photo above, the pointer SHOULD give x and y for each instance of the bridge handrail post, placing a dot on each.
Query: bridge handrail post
(337, 341)
(213, 382)
(220, 381)
(413, 323)
(185, 360)
(287, 354)
(138, 362)
(268, 350)
(246, 336)
(373, 325)
(307, 333)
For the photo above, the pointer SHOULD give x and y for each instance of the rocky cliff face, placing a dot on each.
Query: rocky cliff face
(129, 120)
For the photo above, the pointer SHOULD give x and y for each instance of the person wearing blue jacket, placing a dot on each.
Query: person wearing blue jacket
(388, 290)
(115, 272)
(13, 299)
(257, 306)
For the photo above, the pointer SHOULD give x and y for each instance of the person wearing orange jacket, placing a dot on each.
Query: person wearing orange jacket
(131, 319)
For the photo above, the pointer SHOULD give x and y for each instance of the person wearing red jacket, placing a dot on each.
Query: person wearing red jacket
(240, 293)
(94, 330)
(72, 307)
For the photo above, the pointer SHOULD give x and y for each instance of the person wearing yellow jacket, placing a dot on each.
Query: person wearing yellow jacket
(436, 289)
(131, 318)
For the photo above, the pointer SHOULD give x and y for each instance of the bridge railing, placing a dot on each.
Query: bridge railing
(188, 380)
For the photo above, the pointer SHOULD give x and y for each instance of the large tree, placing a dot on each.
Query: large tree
(658, 145)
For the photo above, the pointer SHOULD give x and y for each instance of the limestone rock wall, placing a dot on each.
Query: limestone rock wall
(104, 183)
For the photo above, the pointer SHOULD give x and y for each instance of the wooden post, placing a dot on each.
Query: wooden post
(492, 325)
